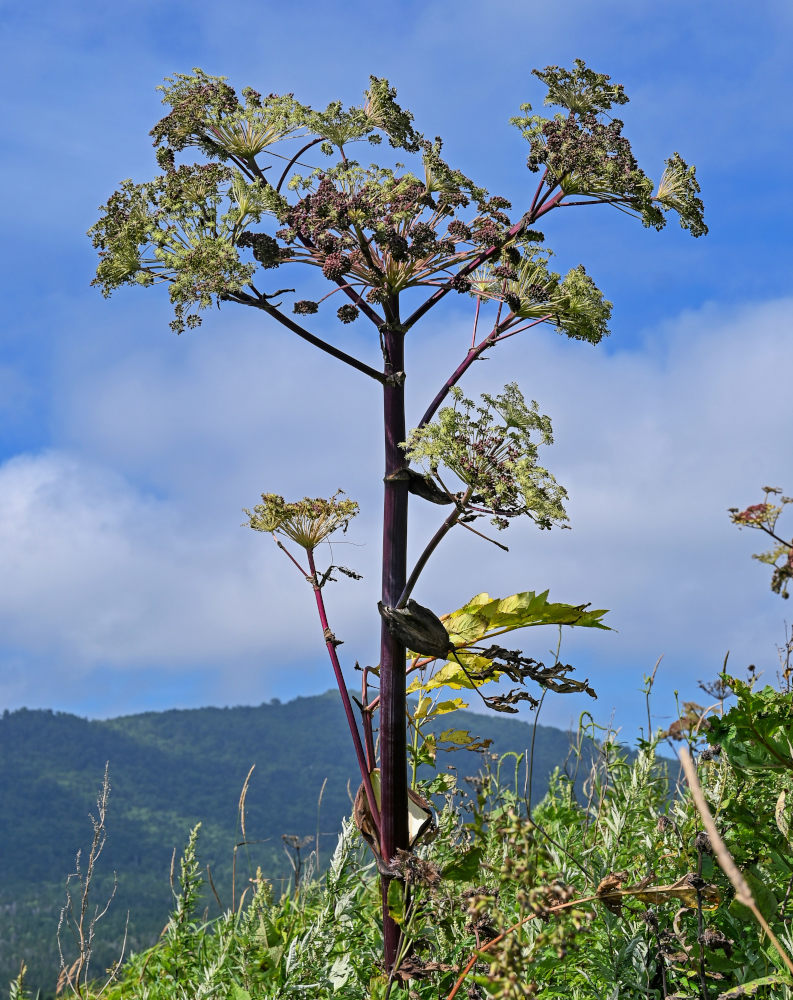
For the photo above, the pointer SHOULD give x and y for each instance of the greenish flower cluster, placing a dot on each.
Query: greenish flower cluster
(206, 112)
(584, 152)
(489, 448)
(307, 522)
(679, 190)
(574, 304)
(376, 230)
(181, 229)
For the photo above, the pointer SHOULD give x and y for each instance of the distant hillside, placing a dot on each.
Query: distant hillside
(168, 771)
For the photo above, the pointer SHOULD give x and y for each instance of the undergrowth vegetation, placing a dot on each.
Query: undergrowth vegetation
(612, 893)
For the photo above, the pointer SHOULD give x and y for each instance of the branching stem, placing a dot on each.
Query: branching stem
(330, 643)
(335, 352)
(432, 544)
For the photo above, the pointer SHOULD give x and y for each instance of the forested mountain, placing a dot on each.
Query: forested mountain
(169, 771)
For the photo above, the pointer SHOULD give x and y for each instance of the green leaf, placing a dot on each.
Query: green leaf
(466, 868)
(427, 752)
(238, 993)
(378, 987)
(755, 733)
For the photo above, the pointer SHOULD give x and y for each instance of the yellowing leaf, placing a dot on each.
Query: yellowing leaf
(465, 628)
(423, 708)
(462, 738)
(451, 676)
(484, 615)
(476, 601)
(448, 706)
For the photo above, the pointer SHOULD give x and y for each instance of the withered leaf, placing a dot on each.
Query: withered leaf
(519, 668)
(506, 702)
(362, 817)
(417, 627)
(608, 891)
(421, 819)
(414, 968)
(611, 893)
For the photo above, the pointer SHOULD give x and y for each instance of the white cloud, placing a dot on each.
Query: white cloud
(653, 445)
(96, 572)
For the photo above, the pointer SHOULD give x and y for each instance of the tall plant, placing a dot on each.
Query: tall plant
(393, 243)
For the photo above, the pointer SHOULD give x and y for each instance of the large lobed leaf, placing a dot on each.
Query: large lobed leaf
(483, 618)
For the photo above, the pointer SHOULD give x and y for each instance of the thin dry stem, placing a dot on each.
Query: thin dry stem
(742, 891)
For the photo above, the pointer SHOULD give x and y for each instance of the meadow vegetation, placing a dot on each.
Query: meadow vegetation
(611, 890)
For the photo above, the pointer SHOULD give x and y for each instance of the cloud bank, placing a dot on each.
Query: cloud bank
(123, 551)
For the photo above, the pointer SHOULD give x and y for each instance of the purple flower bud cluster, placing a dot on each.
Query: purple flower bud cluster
(264, 247)
(347, 313)
(460, 283)
(305, 307)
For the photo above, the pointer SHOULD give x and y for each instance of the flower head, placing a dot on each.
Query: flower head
(490, 449)
(308, 521)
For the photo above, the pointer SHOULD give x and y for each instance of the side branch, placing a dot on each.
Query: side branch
(494, 337)
(335, 352)
(294, 160)
(433, 543)
(527, 220)
(330, 642)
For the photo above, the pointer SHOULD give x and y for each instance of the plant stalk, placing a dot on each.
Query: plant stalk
(330, 642)
(393, 742)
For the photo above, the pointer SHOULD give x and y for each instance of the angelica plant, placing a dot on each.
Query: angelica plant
(278, 190)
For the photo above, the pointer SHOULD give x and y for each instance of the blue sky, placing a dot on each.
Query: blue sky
(126, 453)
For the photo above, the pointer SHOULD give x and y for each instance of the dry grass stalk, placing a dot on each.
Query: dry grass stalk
(742, 891)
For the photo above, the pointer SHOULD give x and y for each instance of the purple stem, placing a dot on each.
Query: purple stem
(494, 337)
(345, 697)
(539, 189)
(548, 206)
(393, 743)
(290, 324)
(423, 559)
(294, 160)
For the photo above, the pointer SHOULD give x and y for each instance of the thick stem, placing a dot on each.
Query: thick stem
(393, 744)
(330, 642)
